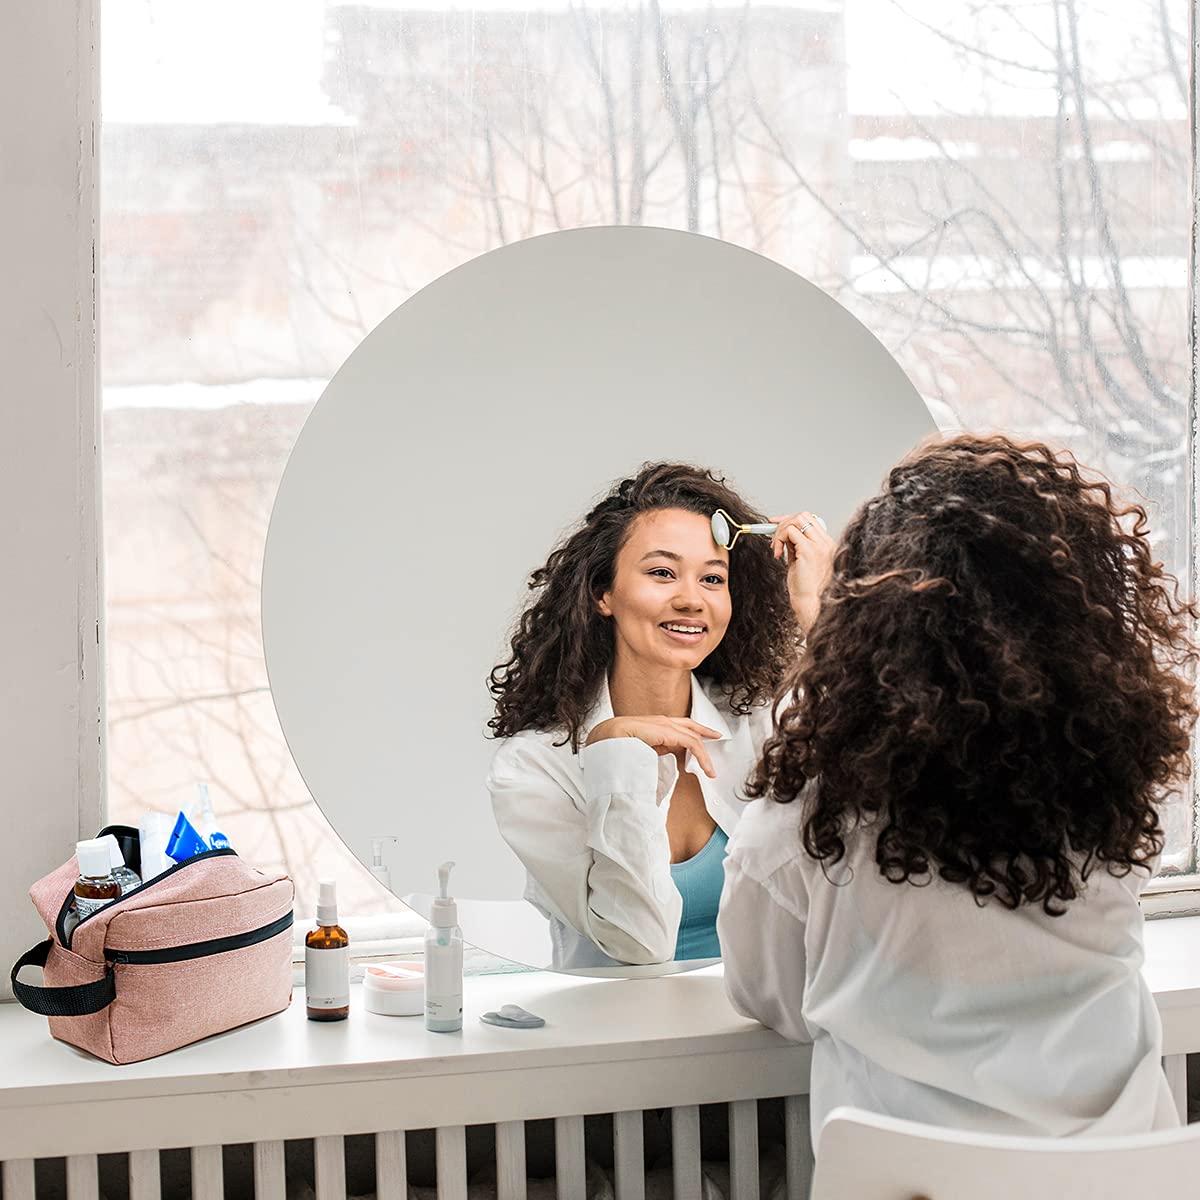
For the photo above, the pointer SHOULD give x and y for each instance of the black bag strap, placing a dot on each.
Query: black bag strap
(75, 1001)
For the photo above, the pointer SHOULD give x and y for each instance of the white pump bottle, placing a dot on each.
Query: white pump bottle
(443, 961)
(378, 867)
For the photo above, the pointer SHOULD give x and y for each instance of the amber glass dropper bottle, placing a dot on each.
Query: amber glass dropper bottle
(327, 961)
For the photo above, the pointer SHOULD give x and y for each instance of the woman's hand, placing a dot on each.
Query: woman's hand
(664, 735)
(808, 551)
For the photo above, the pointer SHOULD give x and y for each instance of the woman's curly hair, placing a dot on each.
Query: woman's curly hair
(997, 684)
(562, 647)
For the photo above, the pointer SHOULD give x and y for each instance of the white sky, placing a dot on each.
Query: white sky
(244, 61)
(260, 61)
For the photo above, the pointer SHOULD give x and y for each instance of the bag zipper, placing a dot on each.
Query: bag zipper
(60, 924)
(201, 949)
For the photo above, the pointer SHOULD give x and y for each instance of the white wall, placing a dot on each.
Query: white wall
(51, 696)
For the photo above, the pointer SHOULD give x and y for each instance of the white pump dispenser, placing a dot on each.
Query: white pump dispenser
(378, 867)
(445, 911)
(443, 960)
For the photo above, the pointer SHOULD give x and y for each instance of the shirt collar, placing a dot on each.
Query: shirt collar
(703, 710)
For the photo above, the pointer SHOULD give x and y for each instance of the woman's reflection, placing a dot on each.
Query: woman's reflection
(646, 652)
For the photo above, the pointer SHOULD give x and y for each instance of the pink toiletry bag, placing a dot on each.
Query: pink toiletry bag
(201, 948)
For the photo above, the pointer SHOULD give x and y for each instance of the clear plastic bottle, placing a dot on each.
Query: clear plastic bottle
(127, 878)
(327, 961)
(204, 820)
(95, 886)
(444, 961)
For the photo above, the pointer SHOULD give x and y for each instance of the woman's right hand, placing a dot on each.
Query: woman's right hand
(664, 735)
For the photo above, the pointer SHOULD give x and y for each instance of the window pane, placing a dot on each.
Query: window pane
(999, 191)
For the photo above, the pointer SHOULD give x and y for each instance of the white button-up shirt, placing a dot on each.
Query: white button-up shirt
(591, 827)
(922, 1004)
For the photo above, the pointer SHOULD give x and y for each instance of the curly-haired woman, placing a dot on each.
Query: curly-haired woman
(646, 652)
(939, 884)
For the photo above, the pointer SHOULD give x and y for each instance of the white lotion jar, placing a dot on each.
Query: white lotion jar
(394, 989)
(443, 961)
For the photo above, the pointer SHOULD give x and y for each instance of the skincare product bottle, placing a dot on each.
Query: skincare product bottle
(185, 841)
(205, 821)
(126, 877)
(327, 961)
(378, 866)
(154, 832)
(443, 961)
(95, 886)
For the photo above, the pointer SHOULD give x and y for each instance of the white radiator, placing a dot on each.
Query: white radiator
(436, 1164)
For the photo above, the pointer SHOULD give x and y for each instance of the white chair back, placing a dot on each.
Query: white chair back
(862, 1156)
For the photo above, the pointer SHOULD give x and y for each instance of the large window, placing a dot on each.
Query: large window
(999, 190)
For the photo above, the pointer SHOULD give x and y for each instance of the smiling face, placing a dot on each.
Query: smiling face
(669, 598)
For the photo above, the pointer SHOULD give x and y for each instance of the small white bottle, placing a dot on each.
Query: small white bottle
(125, 876)
(378, 867)
(327, 961)
(443, 961)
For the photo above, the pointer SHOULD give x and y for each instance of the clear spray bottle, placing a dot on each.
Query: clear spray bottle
(204, 820)
(443, 961)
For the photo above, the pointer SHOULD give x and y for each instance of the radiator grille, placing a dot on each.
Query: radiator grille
(743, 1150)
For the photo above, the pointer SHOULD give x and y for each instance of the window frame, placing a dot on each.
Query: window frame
(52, 719)
(1179, 895)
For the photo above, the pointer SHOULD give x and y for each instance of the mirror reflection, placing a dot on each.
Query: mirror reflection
(499, 625)
(635, 701)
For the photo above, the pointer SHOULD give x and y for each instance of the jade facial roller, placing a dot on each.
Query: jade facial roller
(723, 525)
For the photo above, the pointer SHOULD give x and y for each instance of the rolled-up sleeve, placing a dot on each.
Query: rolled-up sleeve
(602, 859)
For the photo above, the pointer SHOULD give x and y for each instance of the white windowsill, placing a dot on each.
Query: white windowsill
(1171, 896)
(615, 1029)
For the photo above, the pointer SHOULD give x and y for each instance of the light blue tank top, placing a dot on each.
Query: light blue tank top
(699, 882)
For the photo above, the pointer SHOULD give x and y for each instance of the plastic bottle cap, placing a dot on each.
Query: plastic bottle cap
(327, 902)
(444, 914)
(377, 844)
(115, 857)
(93, 857)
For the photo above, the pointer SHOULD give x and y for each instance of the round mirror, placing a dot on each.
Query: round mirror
(465, 438)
